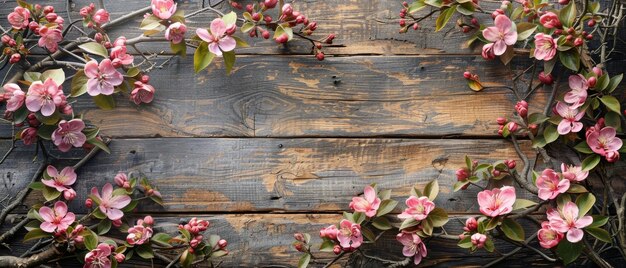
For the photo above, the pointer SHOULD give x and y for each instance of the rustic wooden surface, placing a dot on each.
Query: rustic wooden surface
(283, 144)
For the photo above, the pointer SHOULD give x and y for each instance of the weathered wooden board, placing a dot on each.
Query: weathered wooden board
(299, 96)
(280, 175)
(264, 240)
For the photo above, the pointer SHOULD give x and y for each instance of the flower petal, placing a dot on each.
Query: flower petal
(574, 235)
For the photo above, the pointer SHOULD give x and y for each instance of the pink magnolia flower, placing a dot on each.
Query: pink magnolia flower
(329, 232)
(478, 240)
(551, 185)
(573, 173)
(109, 204)
(367, 204)
(605, 143)
(44, 96)
(217, 38)
(570, 116)
(50, 38)
(19, 18)
(101, 17)
(176, 32)
(68, 134)
(497, 201)
(99, 257)
(139, 234)
(102, 77)
(413, 246)
(488, 53)
(578, 94)
(56, 220)
(14, 96)
(349, 235)
(545, 47)
(60, 181)
(417, 208)
(119, 55)
(568, 221)
(550, 20)
(163, 9)
(548, 237)
(501, 34)
(142, 93)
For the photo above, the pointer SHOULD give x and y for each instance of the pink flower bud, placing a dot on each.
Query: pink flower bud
(461, 236)
(470, 224)
(69, 194)
(461, 174)
(522, 108)
(495, 173)
(578, 42)
(513, 127)
(511, 164)
(283, 38)
(88, 203)
(194, 243)
(287, 10)
(479, 240)
(299, 237)
(145, 78)
(249, 8)
(563, 2)
(591, 82)
(29, 136)
(6, 39)
(270, 3)
(319, 56)
(467, 75)
(591, 23)
(501, 120)
(79, 239)
(222, 243)
(265, 34)
(267, 19)
(597, 71)
(546, 78)
(16, 57)
(119, 257)
(117, 223)
(126, 185)
(120, 179)
(48, 9)
(337, 249)
(51, 17)
(474, 21)
(148, 220)
(98, 37)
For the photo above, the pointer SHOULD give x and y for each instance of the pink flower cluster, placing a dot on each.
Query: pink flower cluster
(603, 141)
(367, 204)
(141, 232)
(103, 77)
(219, 37)
(61, 181)
(348, 237)
(564, 222)
(418, 208)
(109, 204)
(413, 246)
(551, 184)
(195, 227)
(94, 18)
(100, 257)
(119, 55)
(502, 35)
(44, 97)
(497, 201)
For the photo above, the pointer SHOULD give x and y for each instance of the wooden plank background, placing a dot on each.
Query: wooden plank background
(283, 144)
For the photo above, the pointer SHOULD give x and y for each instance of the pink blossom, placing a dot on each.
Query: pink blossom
(367, 204)
(573, 173)
(501, 34)
(44, 96)
(570, 116)
(121, 179)
(142, 93)
(50, 38)
(545, 47)
(68, 134)
(329, 232)
(176, 32)
(349, 235)
(19, 18)
(478, 240)
(597, 127)
(29, 135)
(56, 220)
(488, 53)
(417, 208)
(550, 20)
(498, 201)
(548, 237)
(163, 9)
(217, 38)
(119, 55)
(578, 94)
(99, 257)
(14, 96)
(109, 204)
(60, 181)
(139, 234)
(102, 77)
(551, 185)
(413, 246)
(101, 17)
(568, 221)
(470, 224)
(605, 143)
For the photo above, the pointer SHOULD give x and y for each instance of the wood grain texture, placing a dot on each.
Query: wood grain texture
(280, 175)
(299, 96)
(264, 240)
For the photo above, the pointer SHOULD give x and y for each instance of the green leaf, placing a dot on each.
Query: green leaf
(438, 217)
(585, 203)
(598, 221)
(145, 251)
(381, 223)
(615, 80)
(104, 102)
(550, 133)
(459, 185)
(240, 42)
(36, 234)
(230, 18)
(463, 9)
(523, 203)
(50, 193)
(229, 60)
(359, 217)
(150, 23)
(570, 59)
(549, 65)
(90, 240)
(327, 246)
(493, 223)
(431, 190)
(162, 238)
(602, 82)
(443, 18)
(576, 189)
(386, 206)
(508, 55)
(427, 226)
(567, 15)
(95, 48)
(281, 29)
(537, 118)
(525, 29)
(612, 119)
(36, 186)
(611, 103)
(599, 233)
(562, 199)
(368, 234)
(57, 75)
(32, 76)
(178, 49)
(416, 6)
(408, 223)
(567, 251)
(79, 84)
(489, 245)
(465, 242)
(100, 145)
(512, 230)
(384, 194)
(202, 57)
(349, 216)
(246, 27)
(304, 260)
(590, 162)
(583, 147)
(104, 226)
